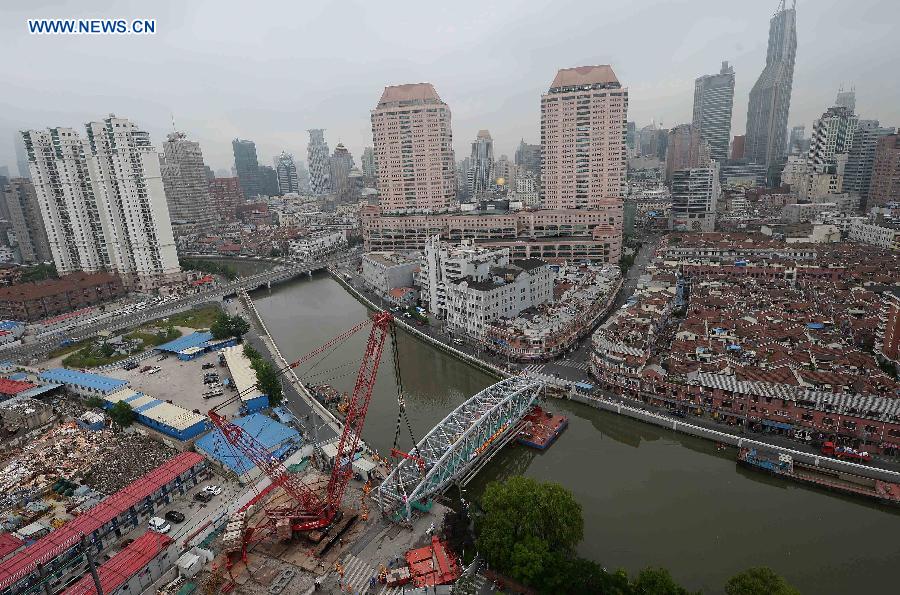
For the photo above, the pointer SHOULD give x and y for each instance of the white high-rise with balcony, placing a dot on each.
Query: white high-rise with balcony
(103, 203)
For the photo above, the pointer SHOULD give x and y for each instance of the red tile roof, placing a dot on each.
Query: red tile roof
(116, 571)
(57, 542)
(8, 544)
(14, 387)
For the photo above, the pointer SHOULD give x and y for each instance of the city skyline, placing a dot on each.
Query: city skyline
(501, 95)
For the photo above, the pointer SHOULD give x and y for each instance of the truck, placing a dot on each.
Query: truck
(845, 452)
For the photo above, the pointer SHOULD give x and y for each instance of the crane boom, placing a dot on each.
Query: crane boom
(310, 510)
(356, 412)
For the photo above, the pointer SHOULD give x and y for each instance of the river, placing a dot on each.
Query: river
(651, 497)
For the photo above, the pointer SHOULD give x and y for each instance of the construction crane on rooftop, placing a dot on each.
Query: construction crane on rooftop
(309, 509)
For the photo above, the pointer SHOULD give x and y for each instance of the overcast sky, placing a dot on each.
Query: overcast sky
(268, 71)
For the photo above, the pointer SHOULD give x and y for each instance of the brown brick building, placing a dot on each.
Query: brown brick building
(34, 301)
(885, 185)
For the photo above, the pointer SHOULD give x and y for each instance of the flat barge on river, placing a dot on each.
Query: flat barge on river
(838, 481)
(542, 428)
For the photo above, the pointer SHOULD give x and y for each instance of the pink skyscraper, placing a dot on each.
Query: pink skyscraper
(413, 151)
(583, 117)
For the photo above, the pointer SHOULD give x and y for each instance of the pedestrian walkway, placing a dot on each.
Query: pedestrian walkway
(533, 368)
(358, 577)
(583, 366)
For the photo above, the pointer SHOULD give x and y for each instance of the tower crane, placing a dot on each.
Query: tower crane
(307, 508)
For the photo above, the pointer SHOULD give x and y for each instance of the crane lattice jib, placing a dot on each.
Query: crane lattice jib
(356, 413)
(306, 499)
(454, 445)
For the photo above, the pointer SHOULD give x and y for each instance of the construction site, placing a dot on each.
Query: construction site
(89, 508)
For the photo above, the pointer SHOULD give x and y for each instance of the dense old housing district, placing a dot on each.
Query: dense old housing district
(776, 337)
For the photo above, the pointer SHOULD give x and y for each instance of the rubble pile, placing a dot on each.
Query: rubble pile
(125, 459)
(103, 460)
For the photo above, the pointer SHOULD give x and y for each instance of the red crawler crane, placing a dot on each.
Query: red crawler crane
(308, 509)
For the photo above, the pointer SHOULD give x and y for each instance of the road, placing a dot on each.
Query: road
(41, 346)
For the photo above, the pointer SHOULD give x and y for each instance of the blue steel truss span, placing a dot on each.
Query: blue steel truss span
(457, 445)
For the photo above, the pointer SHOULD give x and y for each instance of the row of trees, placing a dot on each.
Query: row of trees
(267, 378)
(209, 266)
(528, 531)
(225, 326)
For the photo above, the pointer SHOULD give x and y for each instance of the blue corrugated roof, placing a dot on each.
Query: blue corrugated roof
(147, 405)
(268, 432)
(181, 343)
(8, 325)
(18, 376)
(83, 379)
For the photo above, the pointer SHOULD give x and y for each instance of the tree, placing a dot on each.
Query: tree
(657, 581)
(122, 414)
(267, 380)
(225, 326)
(528, 526)
(94, 402)
(759, 581)
(107, 350)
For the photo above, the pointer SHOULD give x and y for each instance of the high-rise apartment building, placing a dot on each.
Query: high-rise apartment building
(268, 181)
(480, 177)
(885, 185)
(832, 134)
(630, 134)
(318, 159)
(504, 168)
(246, 166)
(226, 195)
(529, 157)
(27, 223)
(694, 195)
(713, 101)
(286, 170)
(102, 201)
(368, 163)
(846, 99)
(737, 147)
(858, 172)
(770, 97)
(686, 150)
(583, 116)
(340, 165)
(414, 150)
(185, 181)
(798, 144)
(21, 157)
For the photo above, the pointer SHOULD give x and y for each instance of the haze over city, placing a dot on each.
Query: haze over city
(269, 73)
(477, 298)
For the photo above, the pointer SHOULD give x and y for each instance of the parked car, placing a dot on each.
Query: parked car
(208, 365)
(129, 365)
(159, 525)
(174, 516)
(203, 497)
(211, 394)
(213, 489)
(145, 369)
(155, 370)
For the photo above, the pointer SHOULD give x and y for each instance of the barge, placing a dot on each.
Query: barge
(838, 481)
(542, 428)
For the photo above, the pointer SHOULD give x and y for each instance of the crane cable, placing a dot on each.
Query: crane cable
(401, 403)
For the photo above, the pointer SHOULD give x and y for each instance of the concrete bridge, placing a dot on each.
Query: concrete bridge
(39, 346)
(459, 446)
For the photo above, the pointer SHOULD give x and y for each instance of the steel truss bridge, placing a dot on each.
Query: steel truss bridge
(458, 446)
